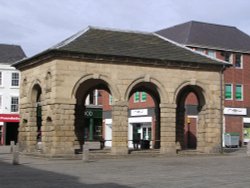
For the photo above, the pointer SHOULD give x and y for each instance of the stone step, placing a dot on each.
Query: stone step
(189, 152)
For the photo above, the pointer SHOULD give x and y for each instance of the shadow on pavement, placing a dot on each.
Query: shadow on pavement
(13, 176)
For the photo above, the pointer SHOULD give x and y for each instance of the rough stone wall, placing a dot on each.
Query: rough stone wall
(59, 80)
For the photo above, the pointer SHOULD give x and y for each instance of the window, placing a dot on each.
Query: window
(15, 79)
(0, 101)
(228, 92)
(239, 92)
(228, 57)
(110, 99)
(143, 96)
(14, 104)
(211, 53)
(200, 50)
(238, 60)
(137, 96)
(1, 78)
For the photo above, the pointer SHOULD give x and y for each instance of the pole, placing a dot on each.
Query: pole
(221, 108)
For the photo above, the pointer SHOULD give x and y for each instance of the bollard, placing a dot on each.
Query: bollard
(248, 148)
(85, 153)
(12, 145)
(16, 160)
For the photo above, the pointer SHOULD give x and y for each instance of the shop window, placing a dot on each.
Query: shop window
(211, 53)
(238, 61)
(238, 92)
(143, 96)
(228, 92)
(137, 96)
(14, 104)
(15, 79)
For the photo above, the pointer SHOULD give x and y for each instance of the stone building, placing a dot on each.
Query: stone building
(56, 82)
(230, 44)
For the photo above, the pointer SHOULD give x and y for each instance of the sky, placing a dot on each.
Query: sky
(39, 25)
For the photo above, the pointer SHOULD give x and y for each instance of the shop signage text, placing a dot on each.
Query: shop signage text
(235, 111)
(139, 112)
(9, 118)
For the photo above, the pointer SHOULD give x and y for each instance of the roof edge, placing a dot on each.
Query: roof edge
(186, 48)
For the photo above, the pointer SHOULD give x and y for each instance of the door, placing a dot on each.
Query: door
(146, 133)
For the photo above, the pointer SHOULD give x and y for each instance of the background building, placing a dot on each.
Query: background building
(226, 43)
(9, 92)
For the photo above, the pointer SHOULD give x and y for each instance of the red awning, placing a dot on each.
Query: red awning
(9, 118)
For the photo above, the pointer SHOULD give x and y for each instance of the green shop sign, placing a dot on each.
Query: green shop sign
(93, 113)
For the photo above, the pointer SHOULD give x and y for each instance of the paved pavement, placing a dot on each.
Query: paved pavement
(229, 171)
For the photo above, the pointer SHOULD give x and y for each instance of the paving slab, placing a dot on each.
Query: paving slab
(229, 171)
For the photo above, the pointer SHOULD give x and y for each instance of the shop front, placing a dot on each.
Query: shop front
(236, 121)
(9, 124)
(93, 124)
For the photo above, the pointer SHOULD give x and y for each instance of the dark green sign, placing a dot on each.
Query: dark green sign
(93, 113)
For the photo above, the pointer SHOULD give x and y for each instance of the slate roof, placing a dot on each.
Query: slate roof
(9, 54)
(214, 36)
(127, 44)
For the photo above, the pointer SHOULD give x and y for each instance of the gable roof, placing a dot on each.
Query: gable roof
(9, 54)
(214, 36)
(126, 44)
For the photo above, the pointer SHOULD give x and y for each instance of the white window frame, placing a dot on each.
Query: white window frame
(15, 79)
(135, 101)
(11, 104)
(213, 53)
(110, 99)
(230, 58)
(1, 78)
(232, 94)
(241, 61)
(242, 96)
(1, 101)
(141, 93)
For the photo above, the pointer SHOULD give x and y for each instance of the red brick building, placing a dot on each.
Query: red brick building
(226, 43)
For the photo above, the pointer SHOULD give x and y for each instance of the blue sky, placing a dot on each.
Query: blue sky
(38, 25)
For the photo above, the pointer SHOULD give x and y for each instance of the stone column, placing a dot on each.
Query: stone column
(209, 126)
(31, 130)
(168, 136)
(120, 128)
(62, 136)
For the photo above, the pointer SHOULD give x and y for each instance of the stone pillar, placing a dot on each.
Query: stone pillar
(63, 135)
(120, 128)
(209, 138)
(28, 131)
(168, 136)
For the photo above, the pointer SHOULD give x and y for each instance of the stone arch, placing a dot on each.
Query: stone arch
(181, 94)
(114, 91)
(36, 102)
(84, 122)
(156, 91)
(194, 85)
(33, 91)
(147, 79)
